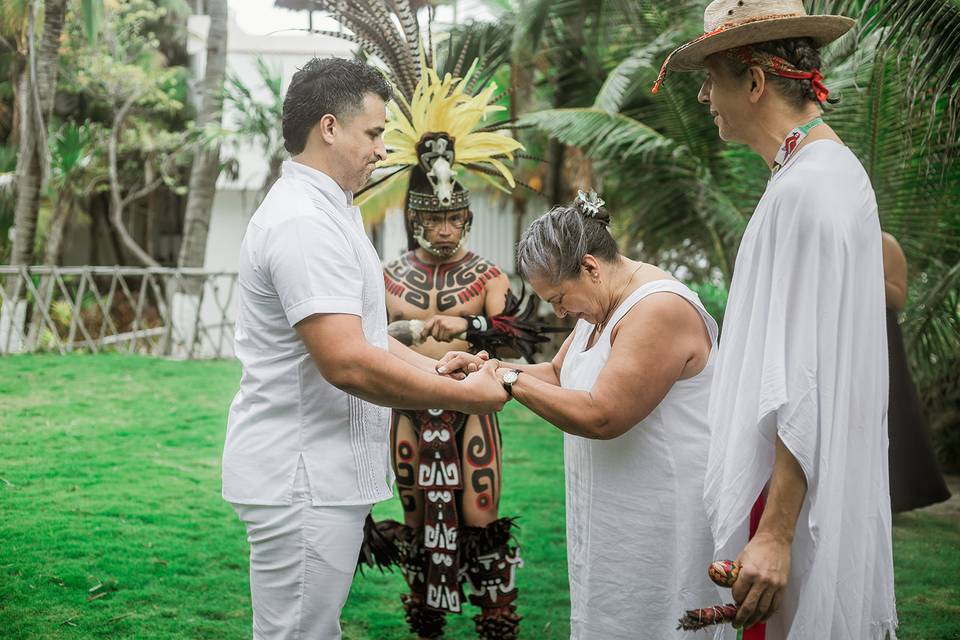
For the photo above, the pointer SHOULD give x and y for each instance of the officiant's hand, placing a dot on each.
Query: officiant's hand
(764, 571)
(460, 363)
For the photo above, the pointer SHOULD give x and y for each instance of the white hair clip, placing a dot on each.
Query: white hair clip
(589, 204)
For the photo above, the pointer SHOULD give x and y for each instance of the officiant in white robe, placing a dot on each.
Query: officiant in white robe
(802, 361)
(799, 396)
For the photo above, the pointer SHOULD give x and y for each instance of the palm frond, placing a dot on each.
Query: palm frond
(602, 135)
(924, 35)
(622, 80)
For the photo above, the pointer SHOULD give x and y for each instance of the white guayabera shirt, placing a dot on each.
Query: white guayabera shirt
(304, 252)
(803, 356)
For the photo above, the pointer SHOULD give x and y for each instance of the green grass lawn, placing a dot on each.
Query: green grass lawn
(112, 525)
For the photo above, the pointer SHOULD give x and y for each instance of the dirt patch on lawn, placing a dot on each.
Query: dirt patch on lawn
(951, 507)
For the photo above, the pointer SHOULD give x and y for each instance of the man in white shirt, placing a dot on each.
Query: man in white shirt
(799, 397)
(307, 447)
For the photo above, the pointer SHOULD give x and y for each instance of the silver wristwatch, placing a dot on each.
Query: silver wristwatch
(509, 378)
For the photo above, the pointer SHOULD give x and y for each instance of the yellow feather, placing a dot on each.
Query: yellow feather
(444, 106)
(491, 181)
(502, 168)
(389, 194)
(476, 146)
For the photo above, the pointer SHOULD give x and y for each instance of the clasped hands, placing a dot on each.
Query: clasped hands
(486, 391)
(459, 364)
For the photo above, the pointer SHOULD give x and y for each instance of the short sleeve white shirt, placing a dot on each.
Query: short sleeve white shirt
(305, 252)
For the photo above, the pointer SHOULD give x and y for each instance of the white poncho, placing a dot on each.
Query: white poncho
(803, 356)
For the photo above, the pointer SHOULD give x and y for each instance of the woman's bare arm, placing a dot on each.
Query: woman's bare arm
(657, 343)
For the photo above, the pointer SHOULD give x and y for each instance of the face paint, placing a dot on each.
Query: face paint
(419, 234)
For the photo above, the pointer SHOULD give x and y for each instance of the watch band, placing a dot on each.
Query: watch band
(508, 386)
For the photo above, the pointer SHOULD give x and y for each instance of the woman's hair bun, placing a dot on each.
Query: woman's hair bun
(591, 205)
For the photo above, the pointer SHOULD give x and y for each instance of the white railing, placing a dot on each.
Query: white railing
(181, 313)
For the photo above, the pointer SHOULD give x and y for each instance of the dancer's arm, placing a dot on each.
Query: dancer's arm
(347, 361)
(661, 340)
(446, 328)
(765, 561)
(548, 372)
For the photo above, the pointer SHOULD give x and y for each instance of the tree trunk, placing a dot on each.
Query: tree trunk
(38, 84)
(119, 202)
(53, 245)
(273, 172)
(206, 163)
(17, 66)
(150, 213)
(186, 303)
(103, 214)
(37, 88)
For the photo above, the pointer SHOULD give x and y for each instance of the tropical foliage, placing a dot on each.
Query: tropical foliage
(119, 117)
(257, 112)
(684, 197)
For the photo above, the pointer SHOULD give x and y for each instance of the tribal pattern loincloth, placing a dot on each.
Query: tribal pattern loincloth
(439, 476)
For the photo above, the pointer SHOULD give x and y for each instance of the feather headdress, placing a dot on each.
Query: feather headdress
(444, 107)
(436, 124)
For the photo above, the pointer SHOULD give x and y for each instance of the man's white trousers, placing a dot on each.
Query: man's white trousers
(302, 561)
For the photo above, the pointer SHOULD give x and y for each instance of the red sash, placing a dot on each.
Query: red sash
(758, 631)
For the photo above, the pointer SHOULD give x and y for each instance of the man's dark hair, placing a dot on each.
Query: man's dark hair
(329, 85)
(801, 53)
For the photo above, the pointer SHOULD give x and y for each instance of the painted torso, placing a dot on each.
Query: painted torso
(418, 291)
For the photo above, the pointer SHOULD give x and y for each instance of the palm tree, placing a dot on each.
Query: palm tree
(671, 197)
(899, 79)
(38, 83)
(35, 94)
(206, 163)
(924, 36)
(257, 119)
(72, 171)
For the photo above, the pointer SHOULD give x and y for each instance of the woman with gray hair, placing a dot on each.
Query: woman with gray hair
(629, 387)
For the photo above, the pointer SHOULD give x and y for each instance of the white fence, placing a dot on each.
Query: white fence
(180, 313)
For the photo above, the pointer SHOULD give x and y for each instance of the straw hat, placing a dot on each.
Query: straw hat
(728, 24)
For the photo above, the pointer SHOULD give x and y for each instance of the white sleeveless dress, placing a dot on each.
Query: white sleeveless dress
(638, 540)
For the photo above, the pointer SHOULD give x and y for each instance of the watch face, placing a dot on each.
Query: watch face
(511, 376)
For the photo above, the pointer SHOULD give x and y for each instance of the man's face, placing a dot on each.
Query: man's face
(444, 229)
(359, 142)
(728, 97)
